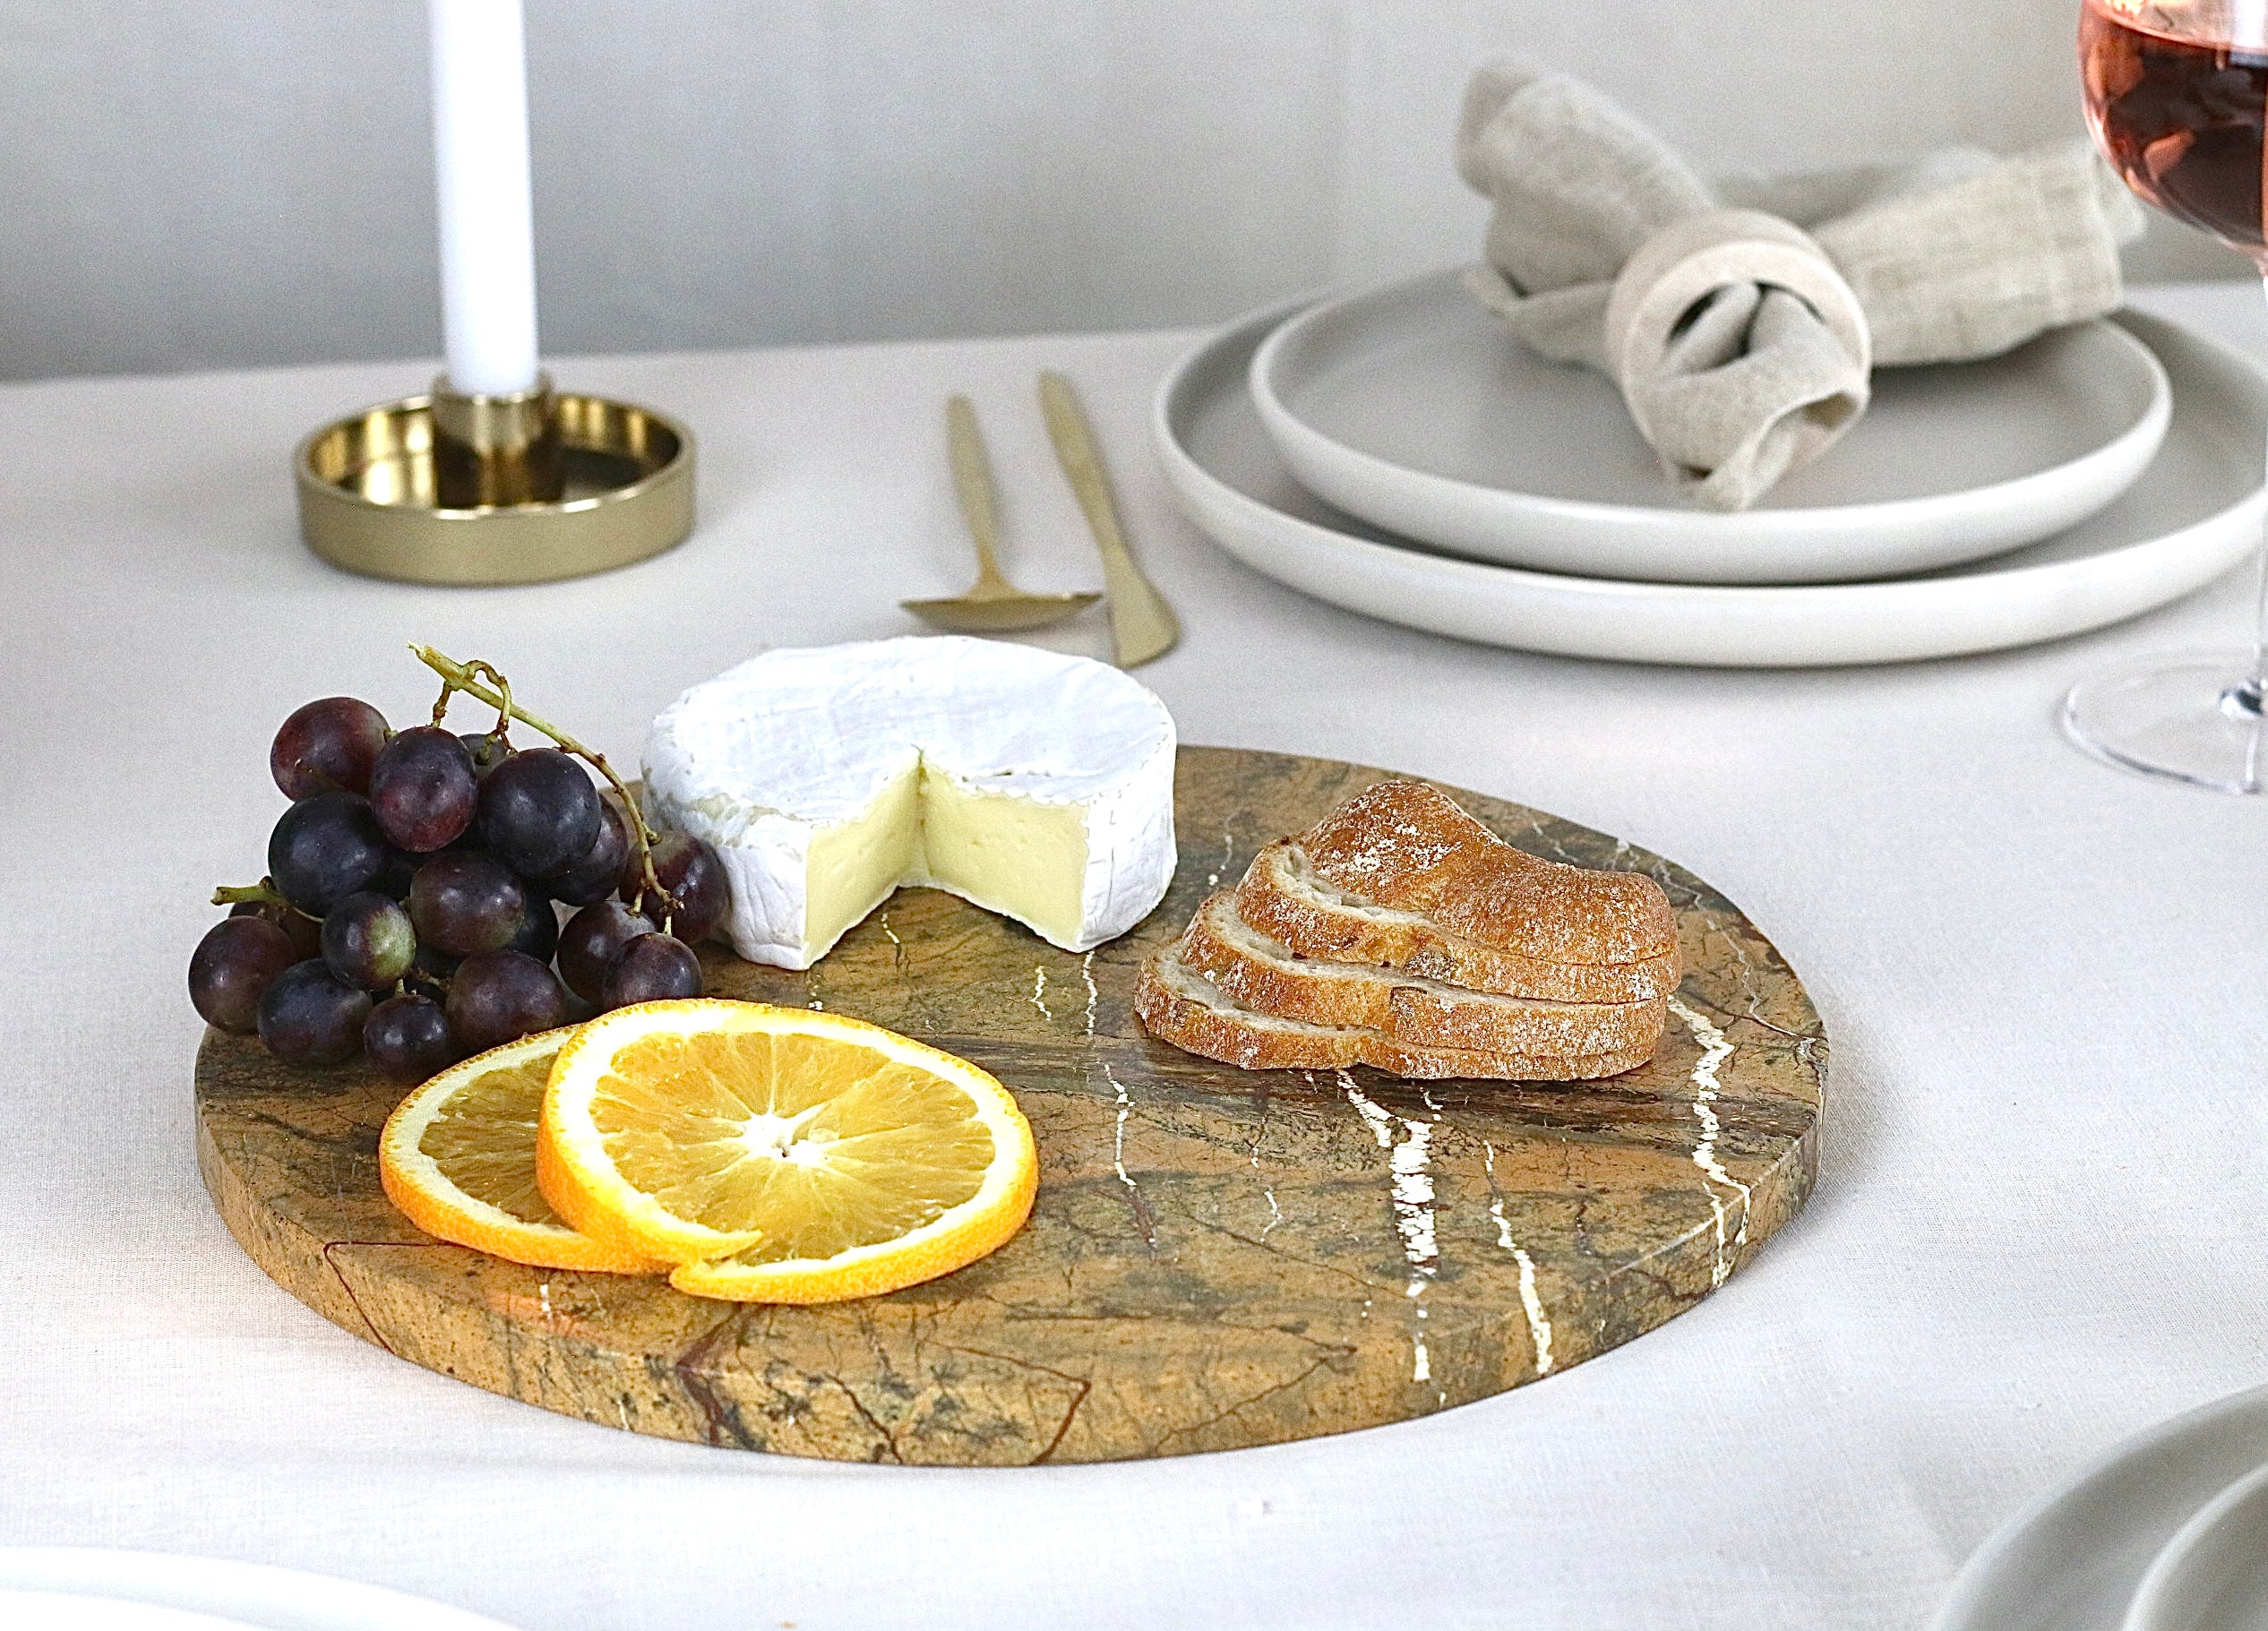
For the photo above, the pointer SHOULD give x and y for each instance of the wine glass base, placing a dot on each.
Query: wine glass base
(2188, 718)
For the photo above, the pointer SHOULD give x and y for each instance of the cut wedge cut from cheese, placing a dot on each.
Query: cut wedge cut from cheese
(1033, 784)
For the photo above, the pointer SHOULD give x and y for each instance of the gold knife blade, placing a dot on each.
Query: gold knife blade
(1143, 627)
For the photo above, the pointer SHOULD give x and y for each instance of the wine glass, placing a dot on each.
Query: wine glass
(2177, 94)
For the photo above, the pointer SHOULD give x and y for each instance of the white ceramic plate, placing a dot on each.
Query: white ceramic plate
(1412, 408)
(250, 1595)
(2213, 1576)
(2071, 1561)
(70, 1611)
(2195, 513)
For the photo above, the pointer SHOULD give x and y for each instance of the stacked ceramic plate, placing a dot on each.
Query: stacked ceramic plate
(2167, 1532)
(70, 1588)
(1397, 452)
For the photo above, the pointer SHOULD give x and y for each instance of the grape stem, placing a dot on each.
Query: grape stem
(473, 679)
(261, 894)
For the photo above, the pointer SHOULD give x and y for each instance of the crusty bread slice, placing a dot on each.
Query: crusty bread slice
(1179, 1007)
(1408, 845)
(1282, 896)
(1260, 973)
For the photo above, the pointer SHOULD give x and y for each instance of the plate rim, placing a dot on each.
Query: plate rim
(2180, 1552)
(1967, 1598)
(280, 1599)
(166, 1616)
(2220, 541)
(2098, 476)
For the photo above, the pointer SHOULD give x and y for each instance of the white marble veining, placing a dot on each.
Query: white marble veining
(1410, 1161)
(1714, 1050)
(1530, 1300)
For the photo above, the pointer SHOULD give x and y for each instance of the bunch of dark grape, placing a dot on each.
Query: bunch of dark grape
(412, 907)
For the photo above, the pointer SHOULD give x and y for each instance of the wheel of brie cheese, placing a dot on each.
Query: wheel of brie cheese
(1035, 785)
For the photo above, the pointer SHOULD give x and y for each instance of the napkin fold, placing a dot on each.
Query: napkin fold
(1955, 256)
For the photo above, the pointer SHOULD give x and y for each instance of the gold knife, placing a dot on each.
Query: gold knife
(1142, 625)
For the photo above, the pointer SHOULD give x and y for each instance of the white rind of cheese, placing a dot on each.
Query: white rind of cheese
(1035, 785)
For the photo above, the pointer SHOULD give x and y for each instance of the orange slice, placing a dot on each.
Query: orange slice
(781, 1155)
(458, 1157)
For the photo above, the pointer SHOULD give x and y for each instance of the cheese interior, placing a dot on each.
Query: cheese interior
(1019, 857)
(854, 867)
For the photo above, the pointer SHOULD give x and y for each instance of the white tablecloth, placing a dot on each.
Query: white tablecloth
(2039, 1218)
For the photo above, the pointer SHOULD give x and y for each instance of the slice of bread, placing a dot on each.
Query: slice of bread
(1261, 975)
(1283, 897)
(1178, 1006)
(1408, 845)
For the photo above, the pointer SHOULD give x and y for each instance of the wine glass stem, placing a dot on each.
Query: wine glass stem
(2250, 693)
(2244, 700)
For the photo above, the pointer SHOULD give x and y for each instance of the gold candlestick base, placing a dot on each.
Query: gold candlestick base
(385, 491)
(492, 451)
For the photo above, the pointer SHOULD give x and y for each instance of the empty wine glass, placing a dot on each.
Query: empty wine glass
(2177, 94)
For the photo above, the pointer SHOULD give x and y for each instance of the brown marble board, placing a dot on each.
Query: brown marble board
(1218, 1259)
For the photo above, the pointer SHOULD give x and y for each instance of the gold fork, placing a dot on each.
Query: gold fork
(995, 605)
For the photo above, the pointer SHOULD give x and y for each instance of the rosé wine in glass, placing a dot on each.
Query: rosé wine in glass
(2177, 94)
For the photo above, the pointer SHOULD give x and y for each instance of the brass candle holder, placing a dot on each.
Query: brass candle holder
(461, 489)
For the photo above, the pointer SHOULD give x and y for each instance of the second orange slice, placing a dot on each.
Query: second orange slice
(781, 1155)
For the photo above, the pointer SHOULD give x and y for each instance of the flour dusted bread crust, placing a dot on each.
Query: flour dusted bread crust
(1180, 1007)
(1400, 933)
(1283, 897)
(1407, 845)
(1259, 972)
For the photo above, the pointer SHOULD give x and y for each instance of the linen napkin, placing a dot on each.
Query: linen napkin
(1956, 257)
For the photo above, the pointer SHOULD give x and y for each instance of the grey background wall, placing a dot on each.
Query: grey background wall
(191, 184)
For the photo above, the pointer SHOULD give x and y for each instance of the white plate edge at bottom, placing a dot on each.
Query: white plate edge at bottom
(79, 1611)
(1970, 1598)
(2166, 1586)
(1801, 626)
(262, 1594)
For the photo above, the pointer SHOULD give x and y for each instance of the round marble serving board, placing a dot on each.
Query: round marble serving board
(1218, 1259)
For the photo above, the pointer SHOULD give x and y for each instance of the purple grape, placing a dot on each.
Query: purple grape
(463, 903)
(408, 1039)
(539, 812)
(368, 941)
(235, 962)
(693, 876)
(592, 943)
(498, 996)
(434, 963)
(653, 968)
(305, 932)
(423, 791)
(487, 750)
(539, 931)
(325, 849)
(401, 871)
(594, 876)
(309, 1015)
(327, 747)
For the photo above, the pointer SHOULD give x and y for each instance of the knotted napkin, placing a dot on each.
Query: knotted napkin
(1742, 318)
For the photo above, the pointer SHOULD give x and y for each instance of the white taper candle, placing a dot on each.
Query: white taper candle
(480, 164)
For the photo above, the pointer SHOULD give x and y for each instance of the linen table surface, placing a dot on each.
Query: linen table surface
(2040, 1220)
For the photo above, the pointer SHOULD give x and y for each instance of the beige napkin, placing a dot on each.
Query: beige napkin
(1957, 256)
